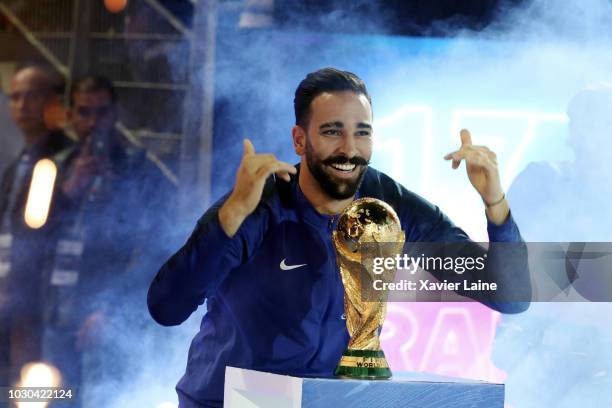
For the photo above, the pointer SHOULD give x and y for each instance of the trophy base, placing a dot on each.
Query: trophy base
(363, 364)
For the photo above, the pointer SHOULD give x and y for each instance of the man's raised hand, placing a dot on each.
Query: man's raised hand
(481, 166)
(250, 180)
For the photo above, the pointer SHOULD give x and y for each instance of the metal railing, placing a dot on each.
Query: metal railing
(145, 33)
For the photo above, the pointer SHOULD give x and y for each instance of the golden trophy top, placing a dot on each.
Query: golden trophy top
(366, 220)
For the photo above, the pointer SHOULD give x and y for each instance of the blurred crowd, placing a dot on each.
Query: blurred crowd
(66, 280)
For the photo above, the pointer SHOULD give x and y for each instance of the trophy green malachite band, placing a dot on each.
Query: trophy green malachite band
(364, 364)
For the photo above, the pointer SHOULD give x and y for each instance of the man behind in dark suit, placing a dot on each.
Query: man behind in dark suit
(23, 250)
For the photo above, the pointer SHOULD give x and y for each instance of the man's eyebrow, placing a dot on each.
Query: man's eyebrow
(326, 125)
(363, 125)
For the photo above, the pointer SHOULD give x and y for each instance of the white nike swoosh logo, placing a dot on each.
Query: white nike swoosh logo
(286, 267)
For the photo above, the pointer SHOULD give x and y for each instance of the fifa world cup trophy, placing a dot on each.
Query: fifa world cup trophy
(367, 228)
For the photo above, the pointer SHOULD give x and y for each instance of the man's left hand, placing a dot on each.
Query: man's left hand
(481, 165)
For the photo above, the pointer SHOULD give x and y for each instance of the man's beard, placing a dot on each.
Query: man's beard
(338, 189)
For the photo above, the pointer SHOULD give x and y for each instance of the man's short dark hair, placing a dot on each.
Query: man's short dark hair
(93, 83)
(53, 83)
(324, 80)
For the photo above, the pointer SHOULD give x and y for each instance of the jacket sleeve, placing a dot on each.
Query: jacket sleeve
(200, 266)
(507, 265)
(505, 259)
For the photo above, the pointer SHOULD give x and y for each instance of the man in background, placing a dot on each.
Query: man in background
(562, 346)
(114, 202)
(23, 250)
(579, 189)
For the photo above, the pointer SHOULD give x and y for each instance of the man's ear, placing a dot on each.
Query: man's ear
(299, 140)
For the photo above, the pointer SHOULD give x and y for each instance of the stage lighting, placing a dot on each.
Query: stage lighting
(38, 374)
(115, 6)
(40, 194)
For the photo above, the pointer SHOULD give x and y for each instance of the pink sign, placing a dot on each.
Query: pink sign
(453, 339)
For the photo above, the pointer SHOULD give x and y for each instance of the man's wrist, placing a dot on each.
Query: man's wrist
(497, 213)
(495, 202)
(231, 217)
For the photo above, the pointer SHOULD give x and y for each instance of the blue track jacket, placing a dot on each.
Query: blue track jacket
(260, 316)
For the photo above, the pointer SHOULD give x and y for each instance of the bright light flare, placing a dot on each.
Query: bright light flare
(115, 6)
(40, 194)
(38, 374)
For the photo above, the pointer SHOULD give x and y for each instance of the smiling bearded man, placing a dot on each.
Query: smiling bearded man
(263, 258)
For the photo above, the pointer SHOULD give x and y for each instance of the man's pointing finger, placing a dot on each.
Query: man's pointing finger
(466, 137)
(249, 149)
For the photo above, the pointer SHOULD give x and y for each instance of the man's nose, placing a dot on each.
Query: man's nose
(349, 146)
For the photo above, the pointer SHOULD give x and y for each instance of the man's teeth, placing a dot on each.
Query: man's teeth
(344, 167)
